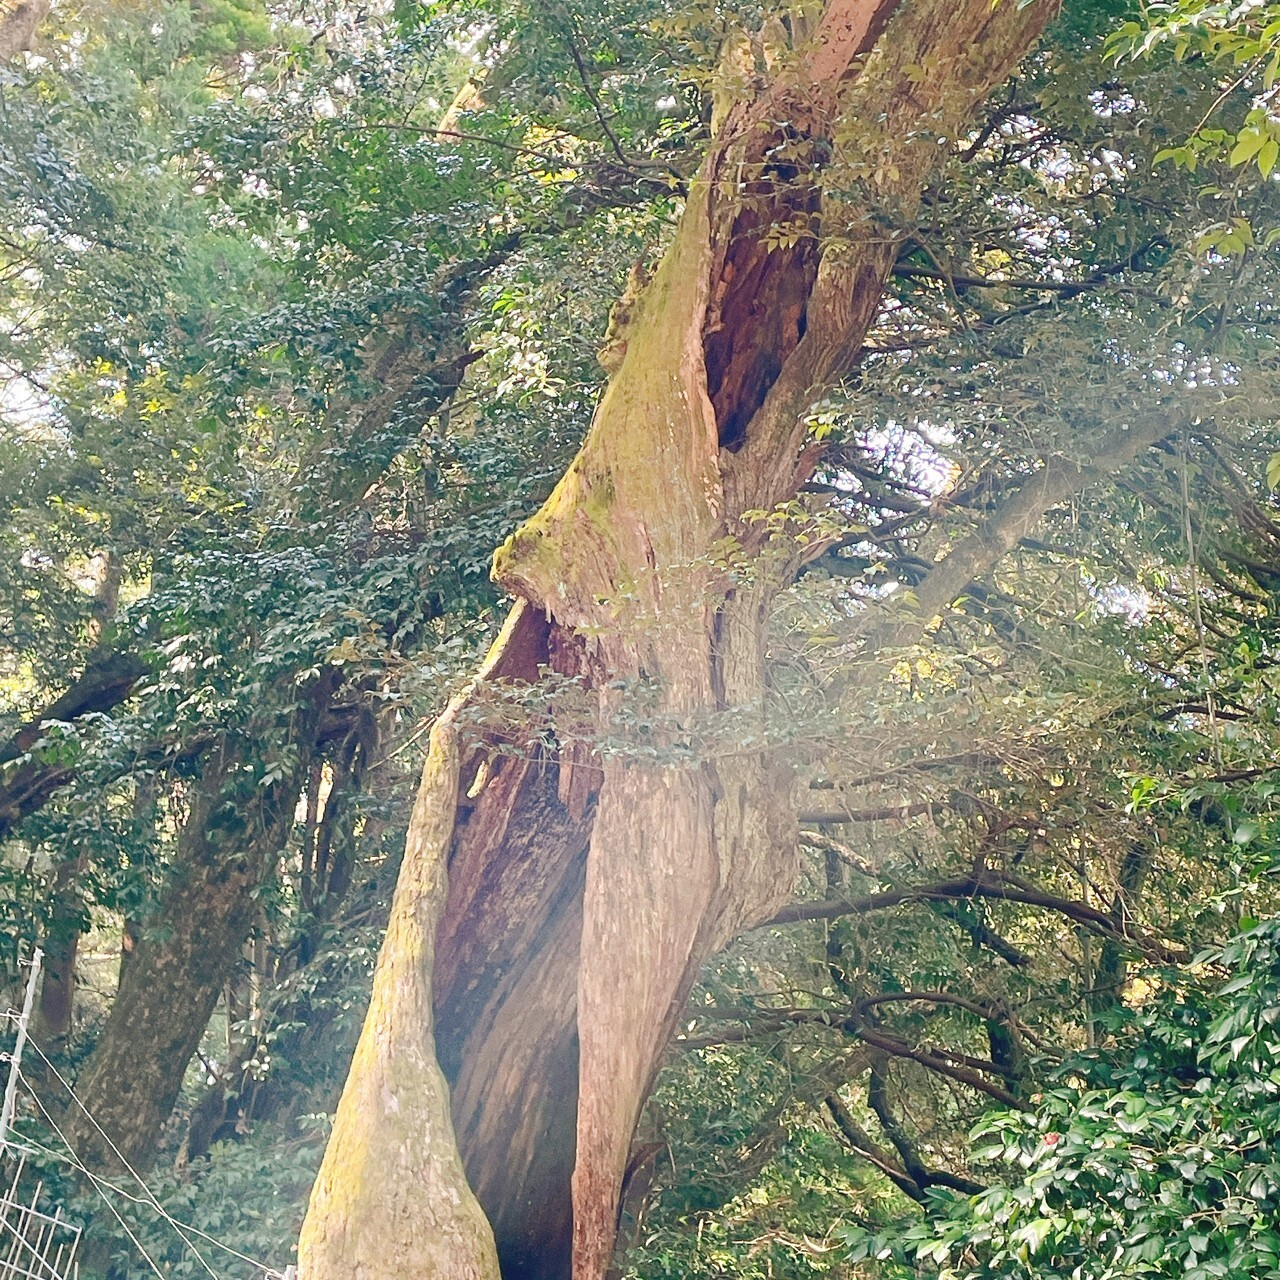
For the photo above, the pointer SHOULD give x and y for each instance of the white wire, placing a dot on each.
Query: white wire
(151, 1199)
(31, 1144)
(95, 1180)
(159, 1208)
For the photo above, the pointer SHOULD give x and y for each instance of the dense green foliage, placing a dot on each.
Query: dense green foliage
(1155, 1157)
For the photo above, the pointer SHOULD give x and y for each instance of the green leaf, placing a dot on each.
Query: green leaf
(1267, 156)
(1249, 141)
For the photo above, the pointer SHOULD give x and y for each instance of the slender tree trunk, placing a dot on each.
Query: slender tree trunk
(239, 1096)
(586, 890)
(1113, 965)
(67, 910)
(61, 945)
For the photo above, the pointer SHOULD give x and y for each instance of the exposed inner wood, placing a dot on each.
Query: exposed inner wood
(757, 312)
(506, 982)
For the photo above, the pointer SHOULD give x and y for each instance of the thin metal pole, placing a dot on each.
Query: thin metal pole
(15, 1058)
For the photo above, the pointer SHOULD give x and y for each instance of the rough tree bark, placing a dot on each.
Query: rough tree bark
(433, 1217)
(586, 890)
(62, 945)
(18, 22)
(230, 837)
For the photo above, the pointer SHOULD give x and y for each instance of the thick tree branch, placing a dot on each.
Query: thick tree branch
(1013, 520)
(25, 783)
(1064, 288)
(987, 884)
(108, 679)
(884, 813)
(892, 105)
(862, 1143)
(982, 935)
(917, 1170)
(982, 1008)
(955, 759)
(960, 1067)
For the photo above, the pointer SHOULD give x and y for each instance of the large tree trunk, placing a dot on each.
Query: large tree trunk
(228, 844)
(587, 887)
(18, 23)
(366, 1219)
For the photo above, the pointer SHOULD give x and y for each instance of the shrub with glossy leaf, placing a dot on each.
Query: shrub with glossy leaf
(1156, 1158)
